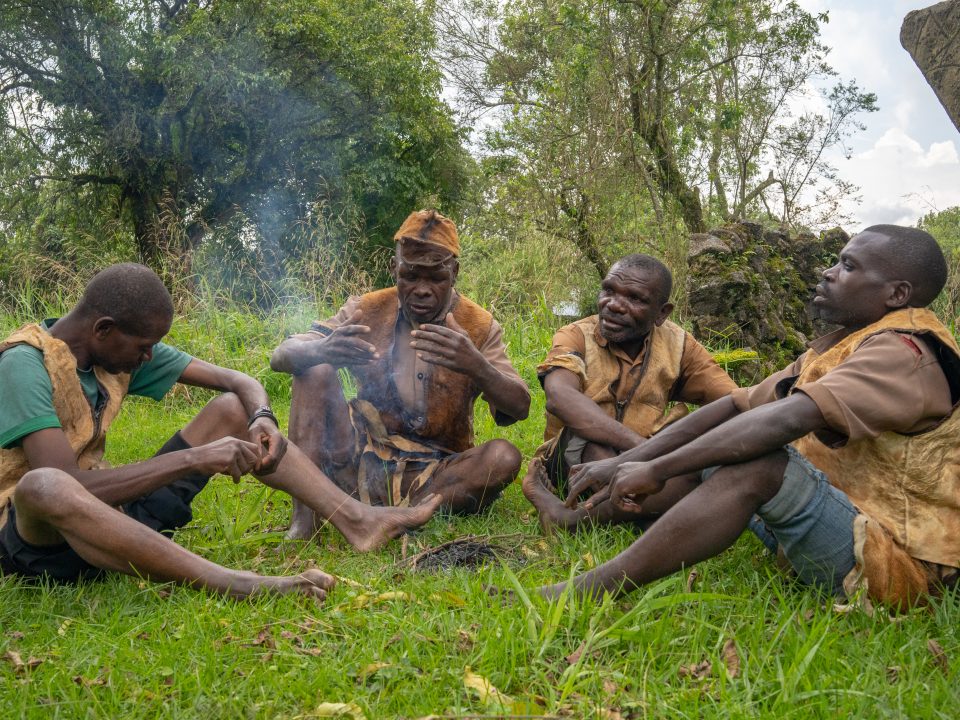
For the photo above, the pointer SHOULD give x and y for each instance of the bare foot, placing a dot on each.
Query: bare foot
(312, 583)
(304, 522)
(553, 513)
(379, 525)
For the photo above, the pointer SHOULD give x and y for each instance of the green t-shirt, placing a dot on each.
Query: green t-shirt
(28, 393)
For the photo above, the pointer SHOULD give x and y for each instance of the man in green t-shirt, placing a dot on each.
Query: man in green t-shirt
(61, 385)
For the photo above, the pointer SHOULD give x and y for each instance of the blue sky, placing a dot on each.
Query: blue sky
(906, 161)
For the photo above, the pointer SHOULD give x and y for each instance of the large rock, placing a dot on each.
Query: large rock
(751, 288)
(932, 37)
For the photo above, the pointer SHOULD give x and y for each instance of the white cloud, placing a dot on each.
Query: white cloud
(900, 179)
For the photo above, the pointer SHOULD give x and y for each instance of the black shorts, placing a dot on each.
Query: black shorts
(163, 510)
(59, 563)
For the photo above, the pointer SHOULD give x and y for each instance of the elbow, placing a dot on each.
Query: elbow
(279, 361)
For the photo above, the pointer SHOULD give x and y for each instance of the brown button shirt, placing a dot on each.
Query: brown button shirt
(410, 372)
(701, 380)
(892, 383)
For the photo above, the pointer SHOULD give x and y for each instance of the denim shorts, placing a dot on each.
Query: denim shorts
(811, 521)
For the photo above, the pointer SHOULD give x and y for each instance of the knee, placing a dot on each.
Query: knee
(315, 383)
(227, 414)
(45, 491)
(502, 458)
(760, 479)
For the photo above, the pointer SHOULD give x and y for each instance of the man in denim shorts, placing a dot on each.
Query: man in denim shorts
(846, 459)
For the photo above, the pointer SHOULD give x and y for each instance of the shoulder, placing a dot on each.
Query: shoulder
(21, 358)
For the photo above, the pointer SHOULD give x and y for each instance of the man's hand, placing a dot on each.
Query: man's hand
(227, 456)
(594, 478)
(448, 346)
(345, 346)
(633, 482)
(273, 445)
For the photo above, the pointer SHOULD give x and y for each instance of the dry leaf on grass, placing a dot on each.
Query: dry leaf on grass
(939, 656)
(485, 690)
(264, 639)
(88, 682)
(574, 657)
(696, 672)
(16, 635)
(893, 674)
(692, 579)
(731, 658)
(465, 640)
(19, 666)
(363, 600)
(338, 710)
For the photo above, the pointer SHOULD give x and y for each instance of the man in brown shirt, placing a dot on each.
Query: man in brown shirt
(420, 354)
(850, 456)
(609, 381)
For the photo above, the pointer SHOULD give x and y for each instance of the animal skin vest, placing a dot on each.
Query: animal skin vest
(909, 485)
(85, 432)
(642, 409)
(450, 395)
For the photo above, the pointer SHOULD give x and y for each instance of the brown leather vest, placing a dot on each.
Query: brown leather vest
(644, 411)
(85, 433)
(449, 395)
(910, 484)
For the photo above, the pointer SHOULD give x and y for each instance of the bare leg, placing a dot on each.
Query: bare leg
(555, 515)
(703, 524)
(364, 526)
(475, 478)
(51, 506)
(320, 426)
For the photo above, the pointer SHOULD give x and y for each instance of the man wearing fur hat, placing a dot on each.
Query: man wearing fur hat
(420, 354)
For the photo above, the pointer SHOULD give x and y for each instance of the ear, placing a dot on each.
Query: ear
(454, 271)
(664, 313)
(392, 267)
(103, 327)
(899, 294)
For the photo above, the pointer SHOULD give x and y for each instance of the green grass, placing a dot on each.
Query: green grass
(125, 648)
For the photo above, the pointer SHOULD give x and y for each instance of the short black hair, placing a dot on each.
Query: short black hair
(653, 266)
(914, 256)
(132, 294)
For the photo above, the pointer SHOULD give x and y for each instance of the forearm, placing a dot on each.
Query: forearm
(119, 485)
(509, 395)
(744, 437)
(585, 419)
(295, 355)
(684, 431)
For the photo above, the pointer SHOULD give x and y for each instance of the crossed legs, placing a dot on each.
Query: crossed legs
(320, 425)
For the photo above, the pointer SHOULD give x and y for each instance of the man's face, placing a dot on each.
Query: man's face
(854, 292)
(630, 304)
(424, 290)
(117, 351)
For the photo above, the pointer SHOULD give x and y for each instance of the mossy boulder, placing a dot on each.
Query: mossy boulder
(751, 288)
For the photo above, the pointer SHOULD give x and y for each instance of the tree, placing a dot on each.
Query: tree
(193, 117)
(679, 110)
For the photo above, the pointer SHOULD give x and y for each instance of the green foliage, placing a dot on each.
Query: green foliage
(945, 227)
(236, 122)
(625, 126)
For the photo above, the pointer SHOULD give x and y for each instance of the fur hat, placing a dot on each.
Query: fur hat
(432, 228)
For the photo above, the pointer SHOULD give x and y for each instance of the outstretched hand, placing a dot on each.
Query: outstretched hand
(346, 346)
(272, 444)
(448, 346)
